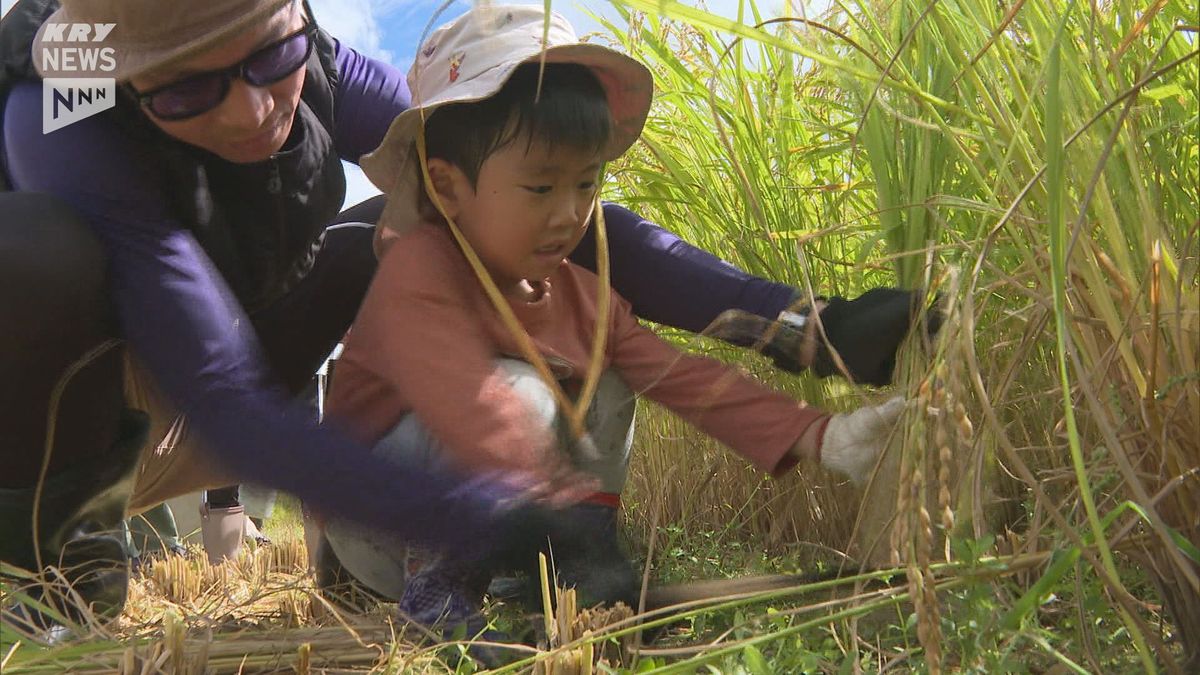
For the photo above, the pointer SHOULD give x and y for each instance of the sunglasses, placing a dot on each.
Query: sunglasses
(197, 94)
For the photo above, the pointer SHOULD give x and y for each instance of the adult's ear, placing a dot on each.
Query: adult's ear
(450, 183)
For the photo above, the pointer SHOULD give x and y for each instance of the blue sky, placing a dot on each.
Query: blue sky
(393, 28)
(390, 30)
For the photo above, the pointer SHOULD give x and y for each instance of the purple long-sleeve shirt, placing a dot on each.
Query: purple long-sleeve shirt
(179, 316)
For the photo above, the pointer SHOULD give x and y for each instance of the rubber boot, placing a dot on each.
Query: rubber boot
(222, 530)
(79, 531)
(154, 533)
(335, 582)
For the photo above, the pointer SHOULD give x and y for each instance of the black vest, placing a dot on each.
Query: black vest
(261, 224)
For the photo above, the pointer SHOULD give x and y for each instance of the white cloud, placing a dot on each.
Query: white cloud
(354, 23)
(410, 12)
(358, 186)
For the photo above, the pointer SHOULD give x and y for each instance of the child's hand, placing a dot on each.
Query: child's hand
(563, 486)
(853, 441)
(557, 483)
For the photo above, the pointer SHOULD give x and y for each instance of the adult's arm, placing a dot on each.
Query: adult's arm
(369, 96)
(669, 281)
(184, 324)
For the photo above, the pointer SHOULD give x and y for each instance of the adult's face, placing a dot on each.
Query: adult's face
(251, 123)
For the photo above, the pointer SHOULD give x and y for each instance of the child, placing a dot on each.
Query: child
(515, 152)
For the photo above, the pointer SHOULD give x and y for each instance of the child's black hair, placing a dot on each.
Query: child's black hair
(570, 110)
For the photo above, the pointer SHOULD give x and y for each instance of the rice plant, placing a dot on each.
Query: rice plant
(1037, 164)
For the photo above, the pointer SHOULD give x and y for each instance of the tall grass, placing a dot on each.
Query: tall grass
(1038, 162)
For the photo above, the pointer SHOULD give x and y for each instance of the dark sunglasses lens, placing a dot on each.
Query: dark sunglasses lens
(189, 97)
(277, 61)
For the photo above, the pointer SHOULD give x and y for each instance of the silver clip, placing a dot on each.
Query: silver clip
(792, 320)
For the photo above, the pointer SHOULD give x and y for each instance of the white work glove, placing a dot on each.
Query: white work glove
(854, 440)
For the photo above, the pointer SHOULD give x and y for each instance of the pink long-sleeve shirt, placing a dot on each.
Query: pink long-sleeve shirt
(426, 339)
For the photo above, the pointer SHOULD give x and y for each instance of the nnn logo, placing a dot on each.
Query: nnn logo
(76, 62)
(70, 99)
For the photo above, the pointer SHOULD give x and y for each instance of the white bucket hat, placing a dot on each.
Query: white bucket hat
(470, 59)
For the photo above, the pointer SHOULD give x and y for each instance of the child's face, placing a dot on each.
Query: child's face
(528, 210)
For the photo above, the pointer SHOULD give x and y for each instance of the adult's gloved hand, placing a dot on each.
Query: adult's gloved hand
(853, 441)
(600, 571)
(865, 332)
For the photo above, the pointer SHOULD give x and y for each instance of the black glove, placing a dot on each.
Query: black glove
(594, 564)
(867, 331)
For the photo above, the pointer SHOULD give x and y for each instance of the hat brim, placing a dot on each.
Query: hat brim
(393, 168)
(132, 62)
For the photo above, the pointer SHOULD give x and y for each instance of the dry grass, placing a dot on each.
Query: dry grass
(265, 586)
(261, 612)
(257, 613)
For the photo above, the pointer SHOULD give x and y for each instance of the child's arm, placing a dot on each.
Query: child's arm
(770, 429)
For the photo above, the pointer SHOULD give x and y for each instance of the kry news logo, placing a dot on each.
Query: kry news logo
(76, 48)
